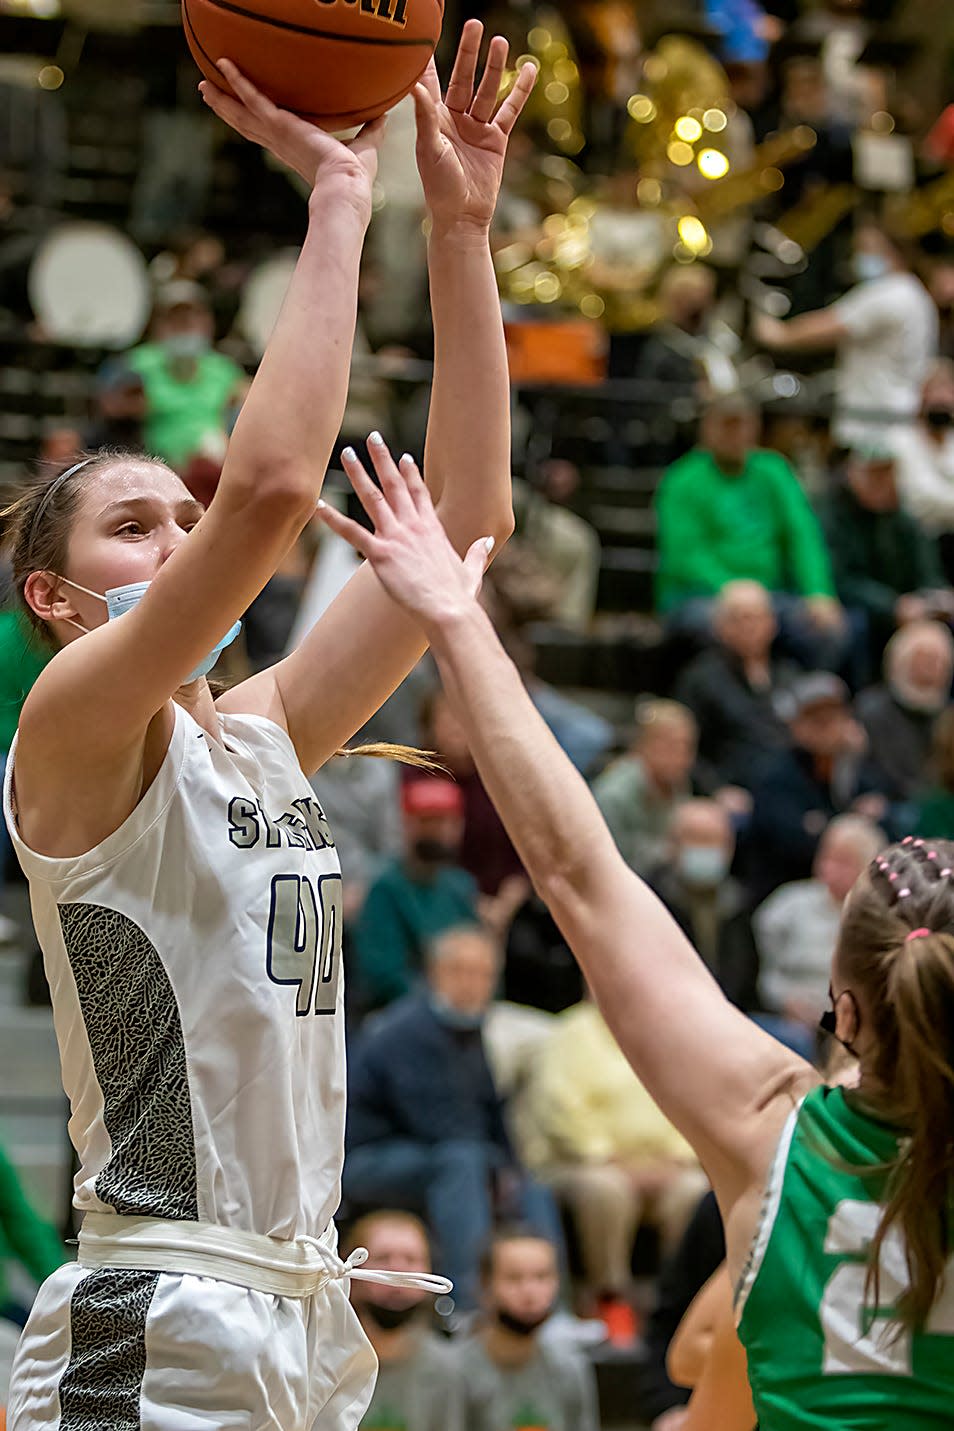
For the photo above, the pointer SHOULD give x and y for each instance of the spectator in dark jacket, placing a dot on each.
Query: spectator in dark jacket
(731, 690)
(823, 775)
(711, 907)
(899, 714)
(425, 1124)
(882, 560)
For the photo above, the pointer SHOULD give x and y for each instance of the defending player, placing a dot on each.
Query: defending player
(837, 1203)
(184, 881)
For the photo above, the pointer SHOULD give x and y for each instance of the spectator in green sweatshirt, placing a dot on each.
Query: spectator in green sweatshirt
(24, 1237)
(731, 510)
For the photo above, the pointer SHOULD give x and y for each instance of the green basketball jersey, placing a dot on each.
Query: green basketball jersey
(818, 1357)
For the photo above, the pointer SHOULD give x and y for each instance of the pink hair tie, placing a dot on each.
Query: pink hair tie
(917, 934)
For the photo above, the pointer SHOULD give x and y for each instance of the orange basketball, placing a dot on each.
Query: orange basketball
(339, 62)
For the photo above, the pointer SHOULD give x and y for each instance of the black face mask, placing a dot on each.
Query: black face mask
(390, 1318)
(939, 417)
(434, 852)
(521, 1326)
(828, 1022)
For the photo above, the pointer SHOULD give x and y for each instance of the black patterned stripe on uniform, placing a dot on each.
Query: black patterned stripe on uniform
(135, 1035)
(101, 1388)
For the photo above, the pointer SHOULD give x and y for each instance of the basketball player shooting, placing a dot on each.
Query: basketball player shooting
(836, 1202)
(185, 884)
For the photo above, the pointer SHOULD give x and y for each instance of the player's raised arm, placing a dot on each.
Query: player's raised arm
(711, 1071)
(461, 144)
(269, 485)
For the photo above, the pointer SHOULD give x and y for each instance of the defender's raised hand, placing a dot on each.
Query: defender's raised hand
(462, 138)
(408, 548)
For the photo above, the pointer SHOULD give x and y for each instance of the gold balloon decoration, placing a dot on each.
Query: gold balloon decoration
(818, 214)
(683, 98)
(555, 108)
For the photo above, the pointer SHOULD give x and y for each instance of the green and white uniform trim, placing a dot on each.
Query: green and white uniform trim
(818, 1357)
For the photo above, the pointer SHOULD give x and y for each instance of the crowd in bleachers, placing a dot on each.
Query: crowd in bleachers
(731, 595)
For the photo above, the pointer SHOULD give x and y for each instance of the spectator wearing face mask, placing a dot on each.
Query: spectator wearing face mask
(509, 1376)
(688, 351)
(417, 895)
(191, 391)
(694, 883)
(417, 1387)
(899, 714)
(796, 929)
(884, 333)
(639, 792)
(924, 454)
(426, 1130)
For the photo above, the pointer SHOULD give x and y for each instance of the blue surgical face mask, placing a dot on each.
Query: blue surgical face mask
(869, 265)
(120, 599)
(703, 866)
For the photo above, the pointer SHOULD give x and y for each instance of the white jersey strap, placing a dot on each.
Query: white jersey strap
(204, 1249)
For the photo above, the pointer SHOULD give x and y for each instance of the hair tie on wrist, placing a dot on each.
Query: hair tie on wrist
(917, 934)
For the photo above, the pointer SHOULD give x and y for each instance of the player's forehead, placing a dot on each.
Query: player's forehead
(132, 481)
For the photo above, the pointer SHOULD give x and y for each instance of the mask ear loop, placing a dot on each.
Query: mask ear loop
(68, 620)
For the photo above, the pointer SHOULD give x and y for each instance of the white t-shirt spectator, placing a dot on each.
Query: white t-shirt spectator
(795, 931)
(925, 475)
(892, 335)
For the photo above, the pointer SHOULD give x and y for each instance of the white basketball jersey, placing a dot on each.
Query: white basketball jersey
(194, 958)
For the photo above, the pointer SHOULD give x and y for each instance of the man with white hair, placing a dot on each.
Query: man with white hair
(796, 927)
(731, 688)
(899, 713)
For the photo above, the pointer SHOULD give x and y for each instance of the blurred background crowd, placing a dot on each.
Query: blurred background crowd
(725, 251)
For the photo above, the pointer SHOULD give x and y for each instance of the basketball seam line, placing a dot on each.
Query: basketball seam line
(403, 40)
(321, 118)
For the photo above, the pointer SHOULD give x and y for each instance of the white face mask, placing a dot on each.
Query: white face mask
(703, 866)
(868, 266)
(120, 599)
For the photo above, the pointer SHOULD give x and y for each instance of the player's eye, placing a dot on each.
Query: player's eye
(130, 529)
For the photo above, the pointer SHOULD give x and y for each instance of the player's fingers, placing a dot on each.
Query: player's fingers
(251, 97)
(509, 112)
(354, 534)
(369, 136)
(485, 100)
(371, 497)
(232, 112)
(428, 124)
(429, 79)
(460, 91)
(394, 489)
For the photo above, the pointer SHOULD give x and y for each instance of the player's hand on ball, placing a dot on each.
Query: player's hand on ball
(462, 138)
(408, 548)
(302, 146)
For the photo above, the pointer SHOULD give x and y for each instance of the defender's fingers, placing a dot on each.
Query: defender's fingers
(395, 490)
(428, 124)
(371, 498)
(416, 486)
(478, 556)
(429, 79)
(485, 100)
(355, 535)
